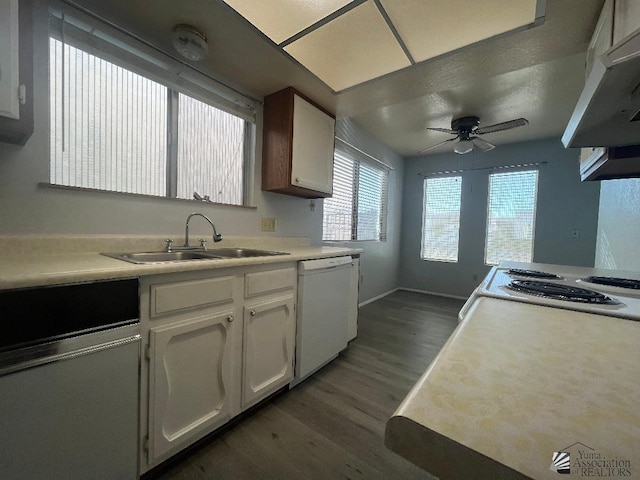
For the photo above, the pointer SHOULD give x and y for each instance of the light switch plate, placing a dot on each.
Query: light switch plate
(268, 224)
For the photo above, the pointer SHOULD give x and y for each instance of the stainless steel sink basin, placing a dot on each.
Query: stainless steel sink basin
(160, 257)
(188, 255)
(242, 252)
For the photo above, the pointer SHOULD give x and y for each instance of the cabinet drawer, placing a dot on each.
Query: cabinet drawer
(269, 281)
(172, 297)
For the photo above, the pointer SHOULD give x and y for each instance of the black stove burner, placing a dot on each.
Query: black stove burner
(532, 274)
(559, 291)
(614, 282)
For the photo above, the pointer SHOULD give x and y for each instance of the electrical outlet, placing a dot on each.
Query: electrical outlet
(268, 224)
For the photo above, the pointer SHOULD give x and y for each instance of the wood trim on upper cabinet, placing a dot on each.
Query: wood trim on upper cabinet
(276, 143)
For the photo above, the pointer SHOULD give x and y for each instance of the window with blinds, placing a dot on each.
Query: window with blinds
(357, 209)
(511, 216)
(118, 126)
(441, 219)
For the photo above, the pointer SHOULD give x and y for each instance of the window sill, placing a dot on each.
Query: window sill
(438, 261)
(140, 195)
(333, 242)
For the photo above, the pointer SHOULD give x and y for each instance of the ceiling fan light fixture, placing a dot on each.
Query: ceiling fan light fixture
(463, 146)
(189, 42)
(467, 129)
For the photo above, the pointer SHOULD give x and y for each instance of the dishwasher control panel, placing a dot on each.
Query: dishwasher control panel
(322, 263)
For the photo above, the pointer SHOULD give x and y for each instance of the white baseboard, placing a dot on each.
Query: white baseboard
(378, 297)
(437, 294)
(415, 290)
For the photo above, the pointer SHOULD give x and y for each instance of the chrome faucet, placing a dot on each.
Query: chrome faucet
(216, 236)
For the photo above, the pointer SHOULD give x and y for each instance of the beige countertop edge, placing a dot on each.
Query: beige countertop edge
(40, 270)
(441, 456)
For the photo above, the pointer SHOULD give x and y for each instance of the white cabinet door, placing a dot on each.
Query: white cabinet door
(191, 380)
(269, 336)
(9, 55)
(627, 19)
(313, 145)
(602, 36)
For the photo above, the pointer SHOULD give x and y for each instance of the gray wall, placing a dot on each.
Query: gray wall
(564, 204)
(380, 263)
(618, 245)
(26, 207)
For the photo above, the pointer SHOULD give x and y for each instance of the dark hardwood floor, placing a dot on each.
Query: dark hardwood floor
(332, 425)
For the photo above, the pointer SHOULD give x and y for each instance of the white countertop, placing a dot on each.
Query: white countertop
(516, 383)
(29, 267)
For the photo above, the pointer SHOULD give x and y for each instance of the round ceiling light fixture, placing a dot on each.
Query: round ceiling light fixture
(189, 42)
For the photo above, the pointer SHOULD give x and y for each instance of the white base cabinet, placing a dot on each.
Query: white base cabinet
(269, 336)
(215, 343)
(269, 332)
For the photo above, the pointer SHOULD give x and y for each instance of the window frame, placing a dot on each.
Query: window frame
(108, 42)
(535, 211)
(358, 158)
(424, 218)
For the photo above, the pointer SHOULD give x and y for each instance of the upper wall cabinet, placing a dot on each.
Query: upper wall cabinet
(298, 144)
(602, 37)
(605, 120)
(9, 64)
(608, 109)
(618, 19)
(626, 19)
(16, 71)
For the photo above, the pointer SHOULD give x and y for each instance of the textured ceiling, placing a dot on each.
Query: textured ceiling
(535, 73)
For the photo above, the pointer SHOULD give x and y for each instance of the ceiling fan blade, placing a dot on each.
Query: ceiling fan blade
(497, 127)
(443, 130)
(438, 144)
(482, 144)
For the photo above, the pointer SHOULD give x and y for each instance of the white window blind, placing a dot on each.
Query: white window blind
(357, 209)
(441, 218)
(511, 215)
(128, 118)
(108, 125)
(211, 151)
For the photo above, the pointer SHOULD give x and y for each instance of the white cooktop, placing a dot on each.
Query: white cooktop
(626, 302)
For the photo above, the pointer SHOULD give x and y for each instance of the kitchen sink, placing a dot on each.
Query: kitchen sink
(160, 257)
(242, 252)
(189, 255)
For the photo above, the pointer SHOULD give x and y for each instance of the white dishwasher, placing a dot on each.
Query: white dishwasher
(323, 313)
(69, 381)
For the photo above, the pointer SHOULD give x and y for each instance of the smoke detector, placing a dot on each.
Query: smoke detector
(189, 42)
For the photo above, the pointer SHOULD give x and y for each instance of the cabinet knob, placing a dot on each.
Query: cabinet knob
(297, 180)
(252, 313)
(230, 318)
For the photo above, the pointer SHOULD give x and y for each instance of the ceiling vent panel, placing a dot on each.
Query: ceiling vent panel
(430, 28)
(282, 19)
(351, 49)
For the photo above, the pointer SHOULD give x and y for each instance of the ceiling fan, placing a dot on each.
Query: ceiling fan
(466, 131)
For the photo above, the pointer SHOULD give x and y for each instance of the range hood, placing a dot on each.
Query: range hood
(608, 111)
